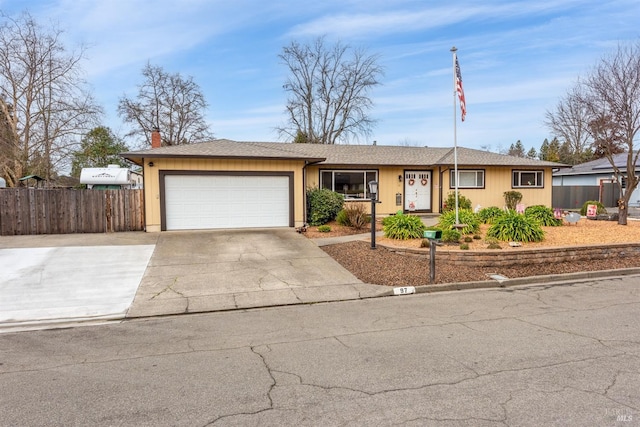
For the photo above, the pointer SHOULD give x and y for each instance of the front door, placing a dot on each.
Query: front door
(417, 191)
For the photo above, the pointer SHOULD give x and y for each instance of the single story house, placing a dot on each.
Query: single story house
(592, 180)
(230, 184)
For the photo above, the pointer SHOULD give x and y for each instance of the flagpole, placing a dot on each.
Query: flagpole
(455, 136)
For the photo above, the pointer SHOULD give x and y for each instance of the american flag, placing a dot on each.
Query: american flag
(460, 90)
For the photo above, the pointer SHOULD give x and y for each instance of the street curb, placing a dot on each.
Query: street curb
(519, 281)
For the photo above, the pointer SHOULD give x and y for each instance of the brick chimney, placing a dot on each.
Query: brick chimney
(156, 140)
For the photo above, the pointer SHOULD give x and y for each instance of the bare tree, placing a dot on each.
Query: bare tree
(608, 104)
(44, 106)
(329, 92)
(570, 122)
(167, 102)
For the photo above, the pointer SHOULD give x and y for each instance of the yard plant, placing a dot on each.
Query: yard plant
(512, 198)
(600, 207)
(403, 227)
(450, 202)
(544, 215)
(516, 227)
(489, 215)
(465, 216)
(353, 215)
(323, 205)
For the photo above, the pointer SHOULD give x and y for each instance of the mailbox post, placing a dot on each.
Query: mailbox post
(434, 237)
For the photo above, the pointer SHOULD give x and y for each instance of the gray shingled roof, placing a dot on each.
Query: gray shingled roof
(596, 166)
(380, 155)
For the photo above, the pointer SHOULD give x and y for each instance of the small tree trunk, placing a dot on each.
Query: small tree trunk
(622, 212)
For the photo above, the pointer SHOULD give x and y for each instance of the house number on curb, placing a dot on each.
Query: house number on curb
(405, 290)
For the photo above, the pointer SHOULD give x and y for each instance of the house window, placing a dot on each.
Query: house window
(351, 184)
(527, 179)
(468, 179)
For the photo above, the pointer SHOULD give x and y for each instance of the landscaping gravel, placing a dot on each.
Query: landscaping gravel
(383, 267)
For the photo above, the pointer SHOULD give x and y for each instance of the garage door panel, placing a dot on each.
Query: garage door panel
(221, 201)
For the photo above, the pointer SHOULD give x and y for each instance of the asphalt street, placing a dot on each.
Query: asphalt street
(565, 354)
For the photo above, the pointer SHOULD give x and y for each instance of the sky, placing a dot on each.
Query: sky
(517, 58)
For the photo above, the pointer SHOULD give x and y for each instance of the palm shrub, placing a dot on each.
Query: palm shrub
(489, 215)
(516, 227)
(544, 215)
(354, 215)
(403, 227)
(323, 205)
(450, 202)
(465, 216)
(512, 198)
(601, 208)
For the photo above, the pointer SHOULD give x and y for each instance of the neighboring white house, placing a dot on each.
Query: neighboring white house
(592, 180)
(111, 177)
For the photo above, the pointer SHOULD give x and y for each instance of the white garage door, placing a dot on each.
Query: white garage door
(195, 202)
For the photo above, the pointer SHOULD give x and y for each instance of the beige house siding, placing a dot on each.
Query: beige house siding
(497, 181)
(152, 184)
(388, 183)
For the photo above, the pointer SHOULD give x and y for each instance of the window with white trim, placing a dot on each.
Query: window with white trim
(527, 178)
(353, 184)
(468, 178)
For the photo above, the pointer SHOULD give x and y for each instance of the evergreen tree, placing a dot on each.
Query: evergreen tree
(516, 149)
(544, 150)
(553, 153)
(98, 148)
(532, 154)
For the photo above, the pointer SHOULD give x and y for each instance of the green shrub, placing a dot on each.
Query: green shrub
(477, 237)
(494, 246)
(403, 227)
(354, 215)
(516, 227)
(342, 218)
(488, 215)
(512, 198)
(544, 215)
(601, 208)
(450, 202)
(324, 228)
(465, 216)
(464, 246)
(451, 236)
(468, 239)
(323, 205)
(425, 243)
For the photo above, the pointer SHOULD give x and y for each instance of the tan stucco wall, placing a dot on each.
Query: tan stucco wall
(152, 183)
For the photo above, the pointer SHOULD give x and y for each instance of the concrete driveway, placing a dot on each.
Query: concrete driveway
(60, 278)
(196, 271)
(49, 279)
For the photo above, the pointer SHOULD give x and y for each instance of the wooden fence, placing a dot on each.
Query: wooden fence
(64, 211)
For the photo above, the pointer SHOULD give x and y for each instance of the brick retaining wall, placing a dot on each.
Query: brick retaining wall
(497, 257)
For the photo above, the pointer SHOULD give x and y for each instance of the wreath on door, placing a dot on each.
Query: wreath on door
(424, 181)
(411, 181)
